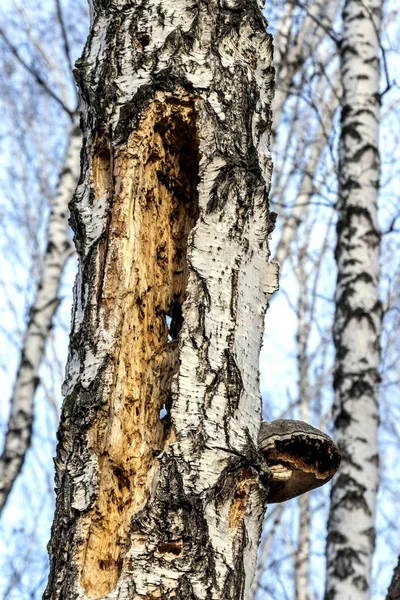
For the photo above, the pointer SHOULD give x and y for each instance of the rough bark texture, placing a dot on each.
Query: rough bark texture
(351, 530)
(59, 249)
(171, 226)
(394, 588)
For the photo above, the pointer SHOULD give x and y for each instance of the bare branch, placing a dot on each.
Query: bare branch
(38, 78)
(64, 34)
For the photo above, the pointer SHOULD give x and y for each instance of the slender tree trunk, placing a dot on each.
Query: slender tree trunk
(357, 327)
(283, 32)
(264, 552)
(59, 249)
(302, 562)
(171, 226)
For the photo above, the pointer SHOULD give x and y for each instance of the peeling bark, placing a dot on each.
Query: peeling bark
(59, 249)
(160, 490)
(357, 327)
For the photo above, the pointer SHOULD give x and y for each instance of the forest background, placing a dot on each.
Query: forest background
(38, 102)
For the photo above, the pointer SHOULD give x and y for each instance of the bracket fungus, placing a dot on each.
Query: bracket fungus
(299, 457)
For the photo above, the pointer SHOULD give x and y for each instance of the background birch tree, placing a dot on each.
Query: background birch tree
(358, 316)
(295, 166)
(50, 266)
(394, 588)
(40, 145)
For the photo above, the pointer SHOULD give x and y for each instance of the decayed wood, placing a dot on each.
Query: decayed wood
(147, 272)
(357, 325)
(171, 227)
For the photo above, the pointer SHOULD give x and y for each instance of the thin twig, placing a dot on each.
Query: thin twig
(35, 74)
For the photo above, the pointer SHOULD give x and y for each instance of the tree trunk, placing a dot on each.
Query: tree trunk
(302, 561)
(59, 249)
(171, 227)
(265, 548)
(357, 327)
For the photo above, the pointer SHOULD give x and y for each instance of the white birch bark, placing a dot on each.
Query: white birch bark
(171, 219)
(357, 327)
(59, 249)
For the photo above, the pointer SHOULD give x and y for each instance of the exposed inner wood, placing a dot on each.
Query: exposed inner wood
(102, 172)
(247, 479)
(142, 281)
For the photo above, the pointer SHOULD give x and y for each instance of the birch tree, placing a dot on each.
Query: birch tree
(40, 147)
(302, 563)
(357, 326)
(58, 249)
(19, 430)
(171, 227)
(291, 203)
(304, 184)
